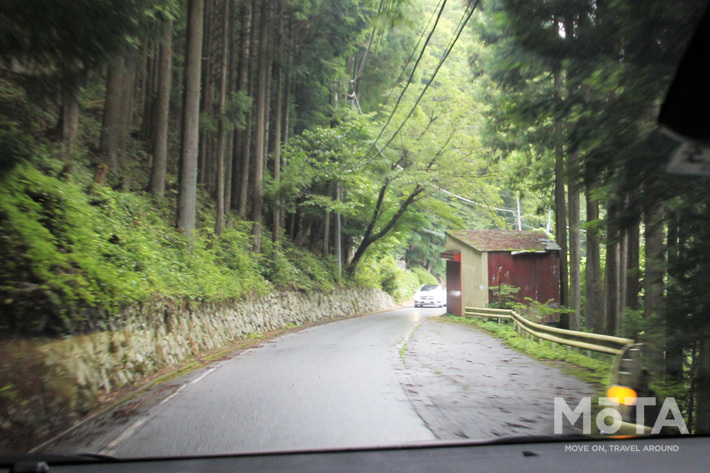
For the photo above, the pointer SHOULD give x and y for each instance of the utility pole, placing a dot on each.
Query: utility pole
(520, 220)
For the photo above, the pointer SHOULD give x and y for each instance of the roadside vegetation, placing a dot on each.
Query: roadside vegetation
(75, 253)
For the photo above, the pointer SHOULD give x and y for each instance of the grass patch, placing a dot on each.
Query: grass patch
(403, 348)
(402, 351)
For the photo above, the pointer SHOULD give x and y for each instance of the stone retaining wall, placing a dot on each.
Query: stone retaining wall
(46, 384)
(158, 335)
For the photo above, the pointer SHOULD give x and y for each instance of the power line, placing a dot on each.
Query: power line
(358, 71)
(409, 59)
(409, 81)
(466, 17)
(462, 24)
(517, 215)
(476, 203)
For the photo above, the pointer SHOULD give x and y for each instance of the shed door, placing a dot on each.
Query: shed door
(453, 287)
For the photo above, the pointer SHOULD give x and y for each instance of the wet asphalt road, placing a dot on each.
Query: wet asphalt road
(391, 378)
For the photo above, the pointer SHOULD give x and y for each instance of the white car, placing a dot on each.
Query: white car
(430, 295)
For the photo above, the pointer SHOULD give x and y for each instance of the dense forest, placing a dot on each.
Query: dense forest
(212, 149)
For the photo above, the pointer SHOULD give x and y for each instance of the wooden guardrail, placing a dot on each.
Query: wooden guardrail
(586, 341)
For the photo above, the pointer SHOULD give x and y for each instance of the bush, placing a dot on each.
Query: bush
(383, 273)
(287, 266)
(535, 311)
(424, 276)
(507, 295)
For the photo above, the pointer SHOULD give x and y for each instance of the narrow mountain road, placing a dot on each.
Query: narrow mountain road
(391, 378)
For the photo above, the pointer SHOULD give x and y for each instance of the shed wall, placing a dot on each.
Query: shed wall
(474, 274)
(536, 274)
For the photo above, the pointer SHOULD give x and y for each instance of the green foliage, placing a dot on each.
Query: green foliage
(237, 109)
(15, 145)
(330, 28)
(400, 284)
(61, 41)
(287, 266)
(21, 123)
(317, 158)
(633, 324)
(424, 276)
(72, 257)
(383, 273)
(539, 312)
(504, 296)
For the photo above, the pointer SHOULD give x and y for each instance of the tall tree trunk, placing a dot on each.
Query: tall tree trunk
(623, 263)
(140, 84)
(111, 122)
(69, 119)
(560, 206)
(267, 112)
(702, 361)
(654, 298)
(231, 89)
(633, 283)
(222, 132)
(162, 111)
(326, 227)
(187, 192)
(285, 126)
(676, 305)
(338, 237)
(611, 280)
(291, 225)
(247, 144)
(267, 123)
(149, 95)
(702, 383)
(305, 226)
(326, 235)
(575, 245)
(206, 89)
(262, 87)
(125, 128)
(277, 126)
(240, 154)
(593, 275)
(228, 165)
(287, 108)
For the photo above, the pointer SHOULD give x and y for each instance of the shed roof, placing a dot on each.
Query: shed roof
(502, 240)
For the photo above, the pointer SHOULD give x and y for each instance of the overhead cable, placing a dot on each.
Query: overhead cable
(409, 81)
(462, 23)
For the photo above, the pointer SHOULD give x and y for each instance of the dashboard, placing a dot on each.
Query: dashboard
(549, 454)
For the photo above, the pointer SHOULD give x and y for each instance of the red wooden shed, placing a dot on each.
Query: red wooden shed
(479, 259)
